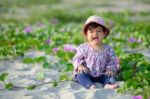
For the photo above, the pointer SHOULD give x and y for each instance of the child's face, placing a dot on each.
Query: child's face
(95, 35)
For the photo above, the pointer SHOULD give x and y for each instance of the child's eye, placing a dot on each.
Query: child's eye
(99, 31)
(90, 31)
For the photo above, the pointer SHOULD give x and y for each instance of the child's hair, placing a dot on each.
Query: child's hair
(93, 26)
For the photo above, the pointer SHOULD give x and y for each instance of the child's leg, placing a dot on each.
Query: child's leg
(111, 86)
(109, 82)
(84, 80)
(106, 79)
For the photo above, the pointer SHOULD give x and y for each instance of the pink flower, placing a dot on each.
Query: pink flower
(55, 50)
(139, 40)
(54, 21)
(48, 41)
(111, 23)
(131, 40)
(137, 97)
(70, 48)
(28, 29)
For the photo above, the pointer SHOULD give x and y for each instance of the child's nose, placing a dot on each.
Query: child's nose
(95, 32)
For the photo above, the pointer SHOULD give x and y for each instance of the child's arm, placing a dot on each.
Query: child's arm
(78, 61)
(111, 67)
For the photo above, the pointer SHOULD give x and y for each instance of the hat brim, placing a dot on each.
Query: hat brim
(107, 31)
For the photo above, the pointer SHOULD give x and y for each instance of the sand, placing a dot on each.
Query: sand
(22, 75)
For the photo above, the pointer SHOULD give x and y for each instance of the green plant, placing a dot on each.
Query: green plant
(8, 85)
(135, 72)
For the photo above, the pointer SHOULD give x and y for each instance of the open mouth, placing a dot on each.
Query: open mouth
(95, 38)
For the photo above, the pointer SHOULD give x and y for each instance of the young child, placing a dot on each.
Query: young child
(95, 61)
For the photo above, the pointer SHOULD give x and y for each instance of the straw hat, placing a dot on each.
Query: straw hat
(98, 20)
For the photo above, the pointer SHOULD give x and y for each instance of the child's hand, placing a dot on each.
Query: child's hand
(82, 68)
(110, 73)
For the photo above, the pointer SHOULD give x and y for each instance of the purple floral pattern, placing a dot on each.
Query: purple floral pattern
(98, 62)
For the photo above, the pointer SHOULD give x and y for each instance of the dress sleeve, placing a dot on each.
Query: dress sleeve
(112, 60)
(78, 59)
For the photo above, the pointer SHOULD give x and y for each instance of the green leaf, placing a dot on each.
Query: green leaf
(55, 84)
(31, 87)
(70, 55)
(131, 83)
(76, 40)
(138, 91)
(9, 86)
(46, 65)
(127, 74)
(147, 75)
(20, 53)
(62, 61)
(145, 81)
(124, 63)
(136, 56)
(61, 54)
(28, 60)
(3, 76)
(120, 90)
(40, 75)
(69, 67)
(40, 59)
(64, 77)
(141, 68)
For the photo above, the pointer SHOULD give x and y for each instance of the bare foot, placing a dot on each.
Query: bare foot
(111, 86)
(92, 87)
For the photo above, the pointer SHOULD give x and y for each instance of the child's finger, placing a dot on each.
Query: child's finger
(109, 73)
(105, 73)
(114, 73)
(79, 70)
(86, 70)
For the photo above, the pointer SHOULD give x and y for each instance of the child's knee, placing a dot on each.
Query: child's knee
(110, 80)
(82, 74)
(84, 79)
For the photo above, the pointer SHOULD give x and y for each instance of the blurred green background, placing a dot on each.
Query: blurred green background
(31, 11)
(27, 24)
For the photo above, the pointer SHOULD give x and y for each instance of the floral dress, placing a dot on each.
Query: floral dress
(98, 62)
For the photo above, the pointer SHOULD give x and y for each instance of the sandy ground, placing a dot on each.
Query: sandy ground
(22, 75)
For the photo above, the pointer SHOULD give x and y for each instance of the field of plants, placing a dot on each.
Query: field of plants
(55, 29)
